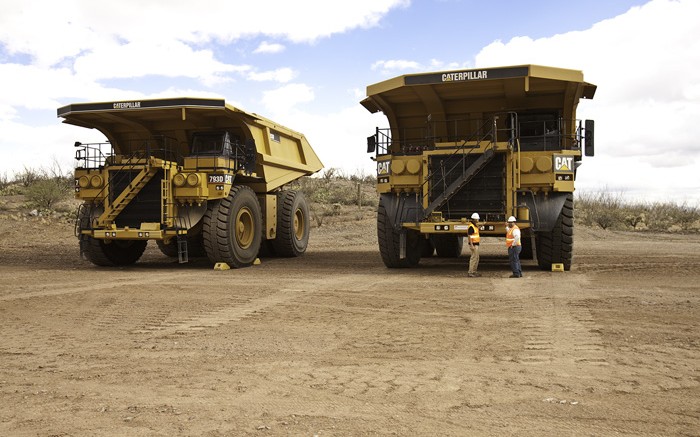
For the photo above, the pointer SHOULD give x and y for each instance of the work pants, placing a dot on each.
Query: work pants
(474, 259)
(514, 257)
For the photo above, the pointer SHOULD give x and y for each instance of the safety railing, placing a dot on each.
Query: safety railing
(120, 167)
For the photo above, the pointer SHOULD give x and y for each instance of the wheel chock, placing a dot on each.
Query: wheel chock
(222, 266)
(257, 262)
(558, 267)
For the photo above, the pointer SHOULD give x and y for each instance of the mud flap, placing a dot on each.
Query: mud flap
(544, 209)
(400, 209)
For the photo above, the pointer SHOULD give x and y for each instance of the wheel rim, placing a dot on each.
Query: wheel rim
(299, 224)
(245, 229)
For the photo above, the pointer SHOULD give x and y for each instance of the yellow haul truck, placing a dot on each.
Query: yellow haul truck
(198, 176)
(496, 141)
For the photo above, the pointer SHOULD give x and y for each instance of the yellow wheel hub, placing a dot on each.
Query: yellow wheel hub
(299, 224)
(245, 229)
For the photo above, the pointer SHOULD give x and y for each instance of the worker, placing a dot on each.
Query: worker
(514, 247)
(474, 239)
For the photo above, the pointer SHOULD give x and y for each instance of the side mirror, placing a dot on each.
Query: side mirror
(371, 144)
(589, 148)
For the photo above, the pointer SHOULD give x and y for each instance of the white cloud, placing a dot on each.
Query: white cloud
(50, 31)
(169, 59)
(283, 99)
(266, 47)
(647, 103)
(74, 45)
(403, 66)
(396, 66)
(282, 75)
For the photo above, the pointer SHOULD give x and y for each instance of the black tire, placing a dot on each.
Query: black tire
(526, 242)
(448, 246)
(232, 228)
(556, 247)
(390, 242)
(195, 246)
(427, 249)
(112, 253)
(266, 249)
(170, 249)
(293, 224)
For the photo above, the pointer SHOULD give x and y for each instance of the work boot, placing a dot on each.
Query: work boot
(474, 275)
(513, 276)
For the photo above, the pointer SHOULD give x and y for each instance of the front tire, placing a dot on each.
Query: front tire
(232, 228)
(390, 242)
(448, 246)
(112, 253)
(556, 246)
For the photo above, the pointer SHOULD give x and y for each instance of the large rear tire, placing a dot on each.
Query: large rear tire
(293, 224)
(448, 246)
(112, 253)
(556, 246)
(390, 242)
(232, 228)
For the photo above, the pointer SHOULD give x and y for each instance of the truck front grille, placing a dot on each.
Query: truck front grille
(484, 193)
(145, 207)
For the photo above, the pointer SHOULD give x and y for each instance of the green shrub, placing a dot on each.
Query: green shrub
(45, 193)
(610, 210)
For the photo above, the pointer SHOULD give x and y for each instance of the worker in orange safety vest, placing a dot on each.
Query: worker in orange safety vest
(474, 239)
(514, 247)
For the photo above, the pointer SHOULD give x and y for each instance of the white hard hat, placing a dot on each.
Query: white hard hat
(475, 216)
(511, 219)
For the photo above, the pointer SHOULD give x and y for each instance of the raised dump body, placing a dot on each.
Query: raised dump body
(199, 176)
(499, 142)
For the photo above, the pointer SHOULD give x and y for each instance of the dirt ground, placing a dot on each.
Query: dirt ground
(335, 344)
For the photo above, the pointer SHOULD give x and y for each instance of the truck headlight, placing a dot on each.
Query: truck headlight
(84, 182)
(193, 179)
(96, 181)
(179, 180)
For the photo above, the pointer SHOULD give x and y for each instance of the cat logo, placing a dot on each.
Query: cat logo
(383, 167)
(563, 163)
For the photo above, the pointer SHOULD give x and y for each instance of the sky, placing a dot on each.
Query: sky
(306, 64)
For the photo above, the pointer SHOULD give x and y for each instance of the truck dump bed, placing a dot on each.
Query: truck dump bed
(283, 155)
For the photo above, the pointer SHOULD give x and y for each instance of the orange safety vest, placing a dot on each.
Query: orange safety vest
(474, 238)
(510, 239)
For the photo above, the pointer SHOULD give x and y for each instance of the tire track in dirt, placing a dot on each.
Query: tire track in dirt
(218, 317)
(559, 327)
(85, 286)
(245, 307)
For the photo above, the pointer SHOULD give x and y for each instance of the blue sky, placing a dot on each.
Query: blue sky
(305, 64)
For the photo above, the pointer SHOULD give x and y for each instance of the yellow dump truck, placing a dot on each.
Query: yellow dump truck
(197, 175)
(499, 142)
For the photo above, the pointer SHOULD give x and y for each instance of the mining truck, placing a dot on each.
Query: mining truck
(200, 177)
(497, 141)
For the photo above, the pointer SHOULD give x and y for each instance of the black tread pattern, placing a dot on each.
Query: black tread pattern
(427, 249)
(526, 242)
(389, 242)
(448, 246)
(557, 246)
(114, 253)
(286, 243)
(195, 246)
(218, 230)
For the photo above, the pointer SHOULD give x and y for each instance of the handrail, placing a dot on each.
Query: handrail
(130, 163)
